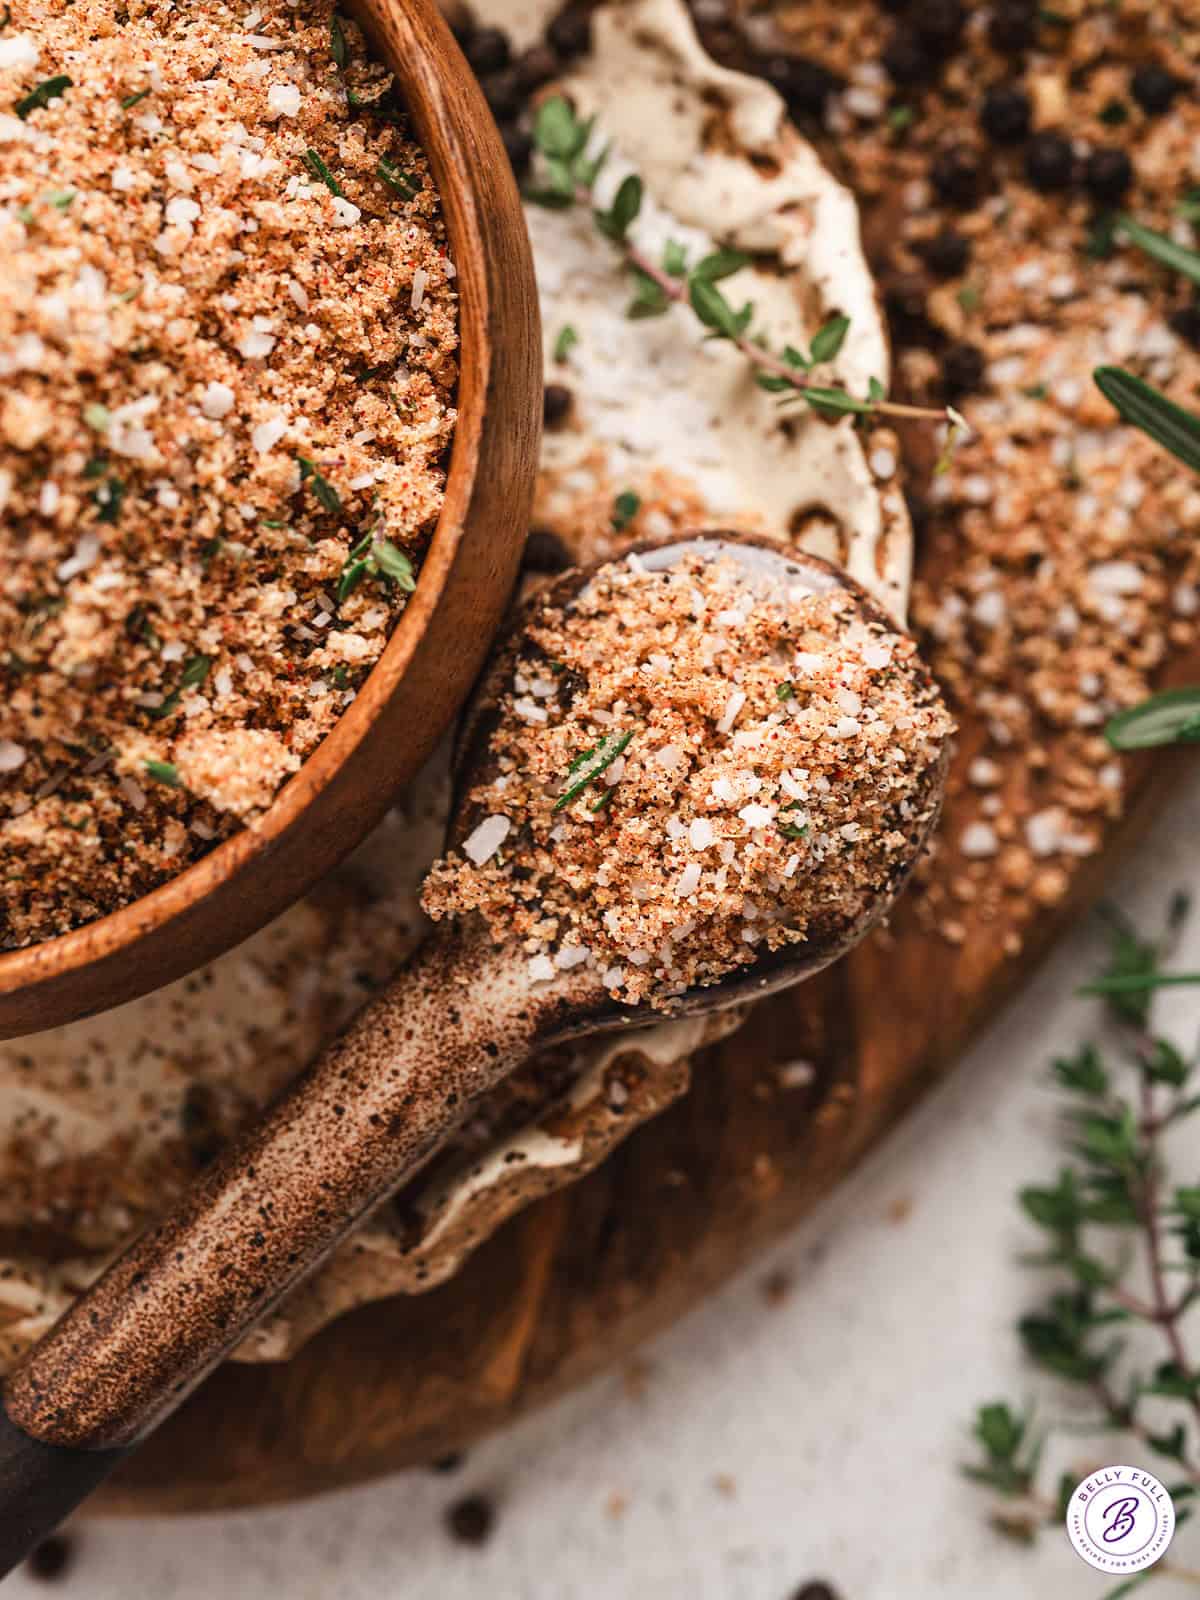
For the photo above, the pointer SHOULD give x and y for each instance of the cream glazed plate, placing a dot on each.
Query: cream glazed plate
(108, 1118)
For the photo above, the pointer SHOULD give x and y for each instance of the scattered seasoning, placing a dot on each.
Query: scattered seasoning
(182, 485)
(471, 1520)
(731, 816)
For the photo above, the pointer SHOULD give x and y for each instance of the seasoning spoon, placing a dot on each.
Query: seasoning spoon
(460, 1017)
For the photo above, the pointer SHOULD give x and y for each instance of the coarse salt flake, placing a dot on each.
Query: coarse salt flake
(484, 840)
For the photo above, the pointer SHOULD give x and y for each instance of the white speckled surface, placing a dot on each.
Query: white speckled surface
(833, 1420)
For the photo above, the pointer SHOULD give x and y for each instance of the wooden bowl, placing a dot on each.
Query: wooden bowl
(424, 674)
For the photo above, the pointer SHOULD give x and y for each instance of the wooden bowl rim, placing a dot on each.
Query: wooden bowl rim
(98, 941)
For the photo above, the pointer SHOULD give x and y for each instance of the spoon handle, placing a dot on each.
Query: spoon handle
(341, 1139)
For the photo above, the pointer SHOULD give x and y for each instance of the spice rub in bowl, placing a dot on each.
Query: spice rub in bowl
(228, 348)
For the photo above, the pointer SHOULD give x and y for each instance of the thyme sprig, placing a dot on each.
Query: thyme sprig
(1120, 1100)
(570, 175)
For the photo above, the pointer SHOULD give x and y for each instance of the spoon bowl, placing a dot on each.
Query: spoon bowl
(461, 1016)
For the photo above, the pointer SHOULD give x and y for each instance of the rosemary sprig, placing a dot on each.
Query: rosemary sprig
(562, 139)
(315, 163)
(406, 184)
(1147, 408)
(337, 43)
(164, 772)
(586, 768)
(1119, 1104)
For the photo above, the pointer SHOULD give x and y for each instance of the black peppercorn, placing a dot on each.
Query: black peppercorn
(938, 22)
(502, 92)
(804, 85)
(1108, 174)
(1154, 88)
(1007, 114)
(962, 370)
(1013, 26)
(906, 60)
(570, 33)
(537, 66)
(955, 175)
(1186, 323)
(471, 1520)
(1049, 162)
(519, 146)
(545, 553)
(556, 404)
(947, 253)
(49, 1560)
(487, 50)
(815, 1591)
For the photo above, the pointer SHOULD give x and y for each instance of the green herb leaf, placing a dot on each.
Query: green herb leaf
(834, 402)
(108, 499)
(37, 99)
(901, 118)
(1139, 983)
(315, 164)
(650, 298)
(394, 564)
(566, 341)
(625, 508)
(326, 494)
(713, 309)
(784, 691)
(827, 341)
(352, 575)
(164, 772)
(674, 259)
(1172, 717)
(61, 199)
(1160, 248)
(586, 768)
(195, 671)
(406, 184)
(627, 202)
(557, 131)
(721, 264)
(132, 100)
(337, 43)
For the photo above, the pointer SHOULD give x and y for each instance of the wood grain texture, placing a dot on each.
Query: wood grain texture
(424, 675)
(580, 1280)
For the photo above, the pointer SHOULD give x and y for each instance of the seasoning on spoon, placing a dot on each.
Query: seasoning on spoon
(691, 770)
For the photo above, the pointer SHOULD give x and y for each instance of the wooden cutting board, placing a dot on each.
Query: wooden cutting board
(580, 1280)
